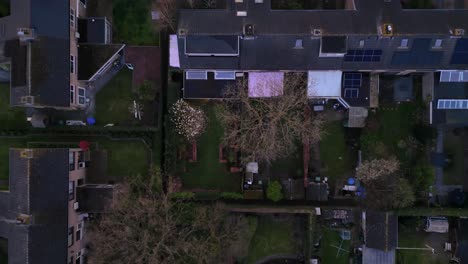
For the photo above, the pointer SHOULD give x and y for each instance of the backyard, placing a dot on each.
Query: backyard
(334, 153)
(5, 11)
(131, 20)
(411, 237)
(115, 99)
(3, 251)
(453, 147)
(387, 127)
(276, 235)
(10, 117)
(289, 167)
(207, 172)
(333, 248)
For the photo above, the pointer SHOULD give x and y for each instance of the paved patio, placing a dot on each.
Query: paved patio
(146, 61)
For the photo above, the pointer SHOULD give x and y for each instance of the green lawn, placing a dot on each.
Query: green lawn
(453, 145)
(3, 251)
(5, 11)
(330, 240)
(333, 152)
(386, 128)
(114, 100)
(271, 237)
(408, 237)
(132, 22)
(126, 158)
(292, 166)
(207, 172)
(10, 117)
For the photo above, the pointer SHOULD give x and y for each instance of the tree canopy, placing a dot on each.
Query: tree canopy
(267, 128)
(145, 226)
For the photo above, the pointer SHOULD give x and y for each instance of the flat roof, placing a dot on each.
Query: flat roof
(324, 84)
(266, 84)
(209, 88)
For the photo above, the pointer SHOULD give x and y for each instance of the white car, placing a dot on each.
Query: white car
(75, 123)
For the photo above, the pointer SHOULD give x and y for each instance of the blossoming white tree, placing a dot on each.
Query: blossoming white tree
(189, 121)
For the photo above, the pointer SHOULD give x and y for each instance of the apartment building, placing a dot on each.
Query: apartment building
(44, 212)
(43, 42)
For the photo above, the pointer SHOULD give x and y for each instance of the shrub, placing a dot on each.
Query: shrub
(274, 191)
(232, 195)
(189, 121)
(182, 195)
(147, 91)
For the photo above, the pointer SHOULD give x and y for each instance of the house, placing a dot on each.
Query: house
(342, 51)
(47, 43)
(380, 237)
(44, 212)
(449, 106)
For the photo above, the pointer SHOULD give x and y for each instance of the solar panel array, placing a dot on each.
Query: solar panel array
(369, 55)
(225, 75)
(352, 83)
(452, 104)
(196, 75)
(454, 76)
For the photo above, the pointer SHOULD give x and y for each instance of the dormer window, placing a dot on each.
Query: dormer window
(404, 43)
(437, 44)
(298, 44)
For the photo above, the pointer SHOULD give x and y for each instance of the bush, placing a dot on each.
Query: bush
(232, 196)
(274, 191)
(147, 91)
(182, 195)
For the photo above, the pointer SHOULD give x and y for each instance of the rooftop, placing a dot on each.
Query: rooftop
(365, 20)
(38, 189)
(381, 231)
(267, 42)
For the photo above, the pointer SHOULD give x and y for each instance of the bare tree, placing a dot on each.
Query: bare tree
(373, 169)
(167, 10)
(266, 122)
(148, 227)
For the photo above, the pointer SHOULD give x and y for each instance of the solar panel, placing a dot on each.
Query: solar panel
(464, 77)
(225, 75)
(445, 76)
(452, 104)
(454, 76)
(196, 75)
(370, 55)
